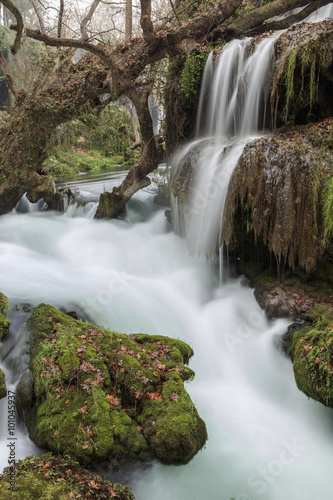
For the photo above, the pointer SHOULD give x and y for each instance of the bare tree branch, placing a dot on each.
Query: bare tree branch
(256, 18)
(87, 18)
(39, 16)
(174, 10)
(9, 78)
(78, 44)
(61, 15)
(20, 32)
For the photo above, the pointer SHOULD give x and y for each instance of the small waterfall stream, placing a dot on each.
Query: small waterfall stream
(267, 441)
(233, 109)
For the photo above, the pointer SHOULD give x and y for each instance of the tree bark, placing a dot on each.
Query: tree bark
(145, 21)
(112, 204)
(87, 18)
(8, 76)
(290, 20)
(256, 18)
(128, 19)
(60, 18)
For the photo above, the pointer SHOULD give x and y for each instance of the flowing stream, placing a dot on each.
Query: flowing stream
(266, 439)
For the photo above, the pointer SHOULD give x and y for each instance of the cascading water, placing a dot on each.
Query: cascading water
(267, 441)
(232, 110)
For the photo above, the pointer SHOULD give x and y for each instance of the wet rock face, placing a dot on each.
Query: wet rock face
(303, 75)
(105, 395)
(280, 179)
(291, 299)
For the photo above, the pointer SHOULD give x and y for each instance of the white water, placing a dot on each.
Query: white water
(232, 110)
(266, 440)
(138, 277)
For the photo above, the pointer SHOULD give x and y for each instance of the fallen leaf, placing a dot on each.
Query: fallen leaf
(113, 400)
(94, 485)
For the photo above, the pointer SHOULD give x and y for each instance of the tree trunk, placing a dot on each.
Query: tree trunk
(111, 204)
(128, 19)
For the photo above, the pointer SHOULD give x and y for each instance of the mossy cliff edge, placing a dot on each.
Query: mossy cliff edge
(105, 395)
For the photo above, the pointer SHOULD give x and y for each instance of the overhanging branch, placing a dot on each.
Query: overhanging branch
(290, 20)
(20, 32)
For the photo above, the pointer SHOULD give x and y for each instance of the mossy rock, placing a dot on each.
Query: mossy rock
(47, 477)
(95, 392)
(292, 336)
(3, 389)
(312, 354)
(4, 321)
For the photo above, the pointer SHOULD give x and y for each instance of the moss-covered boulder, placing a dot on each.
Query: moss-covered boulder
(3, 389)
(101, 394)
(4, 321)
(47, 477)
(311, 350)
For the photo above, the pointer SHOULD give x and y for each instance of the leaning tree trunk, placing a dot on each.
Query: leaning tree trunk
(24, 139)
(112, 204)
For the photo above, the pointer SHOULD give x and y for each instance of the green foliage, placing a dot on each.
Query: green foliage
(313, 362)
(91, 143)
(105, 132)
(73, 161)
(301, 74)
(192, 74)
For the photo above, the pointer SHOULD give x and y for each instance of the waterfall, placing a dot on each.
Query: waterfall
(233, 109)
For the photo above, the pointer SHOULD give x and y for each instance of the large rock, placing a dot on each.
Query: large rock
(311, 350)
(281, 182)
(46, 477)
(291, 298)
(101, 394)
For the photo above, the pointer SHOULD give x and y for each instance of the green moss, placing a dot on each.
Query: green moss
(4, 304)
(47, 477)
(4, 321)
(301, 73)
(3, 389)
(172, 425)
(192, 74)
(93, 388)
